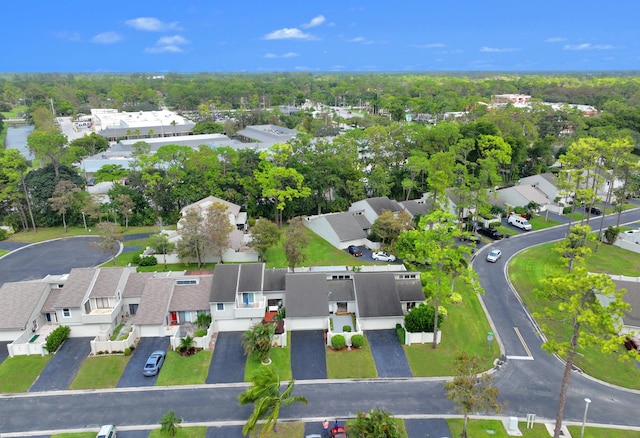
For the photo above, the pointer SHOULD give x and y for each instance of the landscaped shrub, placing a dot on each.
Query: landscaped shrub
(611, 234)
(402, 334)
(56, 338)
(455, 298)
(346, 328)
(357, 341)
(148, 261)
(127, 351)
(567, 210)
(442, 311)
(338, 342)
(3, 234)
(494, 224)
(200, 333)
(420, 319)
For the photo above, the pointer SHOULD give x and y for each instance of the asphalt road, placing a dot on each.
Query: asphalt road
(529, 380)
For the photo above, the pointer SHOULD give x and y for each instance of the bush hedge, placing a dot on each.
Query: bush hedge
(401, 333)
(338, 342)
(56, 338)
(346, 328)
(357, 341)
(420, 319)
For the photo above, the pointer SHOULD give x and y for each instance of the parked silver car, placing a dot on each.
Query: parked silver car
(154, 363)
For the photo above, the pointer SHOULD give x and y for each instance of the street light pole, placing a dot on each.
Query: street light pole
(584, 419)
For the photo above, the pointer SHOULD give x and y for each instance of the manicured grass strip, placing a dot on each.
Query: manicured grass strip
(351, 364)
(18, 373)
(57, 232)
(183, 432)
(75, 435)
(530, 267)
(179, 370)
(101, 371)
(465, 327)
(539, 222)
(599, 432)
(482, 428)
(283, 430)
(280, 360)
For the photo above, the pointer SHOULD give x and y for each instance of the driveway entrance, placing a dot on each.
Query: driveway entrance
(228, 361)
(308, 355)
(63, 366)
(132, 374)
(388, 354)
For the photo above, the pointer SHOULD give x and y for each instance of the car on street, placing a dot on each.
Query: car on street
(490, 232)
(382, 256)
(593, 210)
(494, 255)
(354, 251)
(154, 363)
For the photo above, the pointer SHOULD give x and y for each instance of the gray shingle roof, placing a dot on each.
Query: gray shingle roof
(346, 226)
(383, 203)
(154, 303)
(341, 290)
(19, 301)
(225, 283)
(192, 297)
(135, 284)
(250, 277)
(376, 295)
(410, 290)
(274, 280)
(632, 297)
(75, 288)
(307, 295)
(106, 283)
(417, 208)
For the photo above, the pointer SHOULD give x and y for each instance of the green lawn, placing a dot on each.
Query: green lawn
(356, 363)
(280, 360)
(179, 370)
(75, 435)
(18, 373)
(526, 272)
(183, 432)
(465, 328)
(101, 371)
(539, 222)
(495, 429)
(57, 232)
(599, 432)
(318, 253)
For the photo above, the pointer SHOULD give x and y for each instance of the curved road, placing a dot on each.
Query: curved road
(529, 380)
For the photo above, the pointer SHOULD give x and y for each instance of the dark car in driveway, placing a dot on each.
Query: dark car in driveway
(492, 233)
(354, 251)
(154, 363)
(593, 210)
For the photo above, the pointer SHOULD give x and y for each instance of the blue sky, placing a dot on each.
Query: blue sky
(329, 36)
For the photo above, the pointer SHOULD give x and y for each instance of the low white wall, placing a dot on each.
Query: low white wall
(229, 256)
(421, 338)
(106, 346)
(27, 349)
(628, 245)
(203, 342)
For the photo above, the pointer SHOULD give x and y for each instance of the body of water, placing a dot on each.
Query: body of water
(17, 139)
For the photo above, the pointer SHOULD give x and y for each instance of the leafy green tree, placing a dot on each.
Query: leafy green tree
(110, 172)
(208, 127)
(218, 228)
(169, 424)
(126, 206)
(91, 144)
(203, 320)
(471, 388)
(48, 147)
(267, 399)
(258, 341)
(264, 235)
(388, 226)
(63, 200)
(374, 424)
(574, 246)
(421, 318)
(161, 245)
(586, 310)
(194, 242)
(296, 240)
(13, 189)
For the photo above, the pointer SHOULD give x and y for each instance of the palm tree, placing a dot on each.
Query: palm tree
(257, 340)
(169, 424)
(203, 320)
(186, 344)
(265, 394)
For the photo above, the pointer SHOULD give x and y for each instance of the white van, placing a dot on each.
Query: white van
(107, 431)
(519, 221)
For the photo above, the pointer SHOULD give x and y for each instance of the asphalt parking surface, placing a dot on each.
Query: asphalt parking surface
(308, 355)
(58, 256)
(63, 366)
(388, 354)
(132, 375)
(428, 427)
(228, 361)
(4, 352)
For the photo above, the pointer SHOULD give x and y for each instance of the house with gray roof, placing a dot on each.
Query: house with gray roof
(21, 308)
(340, 229)
(371, 208)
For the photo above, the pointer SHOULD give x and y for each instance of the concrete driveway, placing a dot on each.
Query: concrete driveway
(308, 355)
(132, 374)
(57, 256)
(228, 361)
(63, 366)
(388, 354)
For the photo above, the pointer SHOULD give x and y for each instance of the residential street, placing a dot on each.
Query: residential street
(529, 380)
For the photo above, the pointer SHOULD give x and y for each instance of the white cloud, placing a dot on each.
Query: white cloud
(588, 46)
(498, 50)
(270, 55)
(360, 40)
(429, 46)
(288, 34)
(284, 55)
(151, 24)
(168, 44)
(315, 21)
(555, 40)
(106, 38)
(68, 36)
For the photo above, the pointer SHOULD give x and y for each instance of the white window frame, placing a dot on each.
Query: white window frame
(66, 313)
(220, 307)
